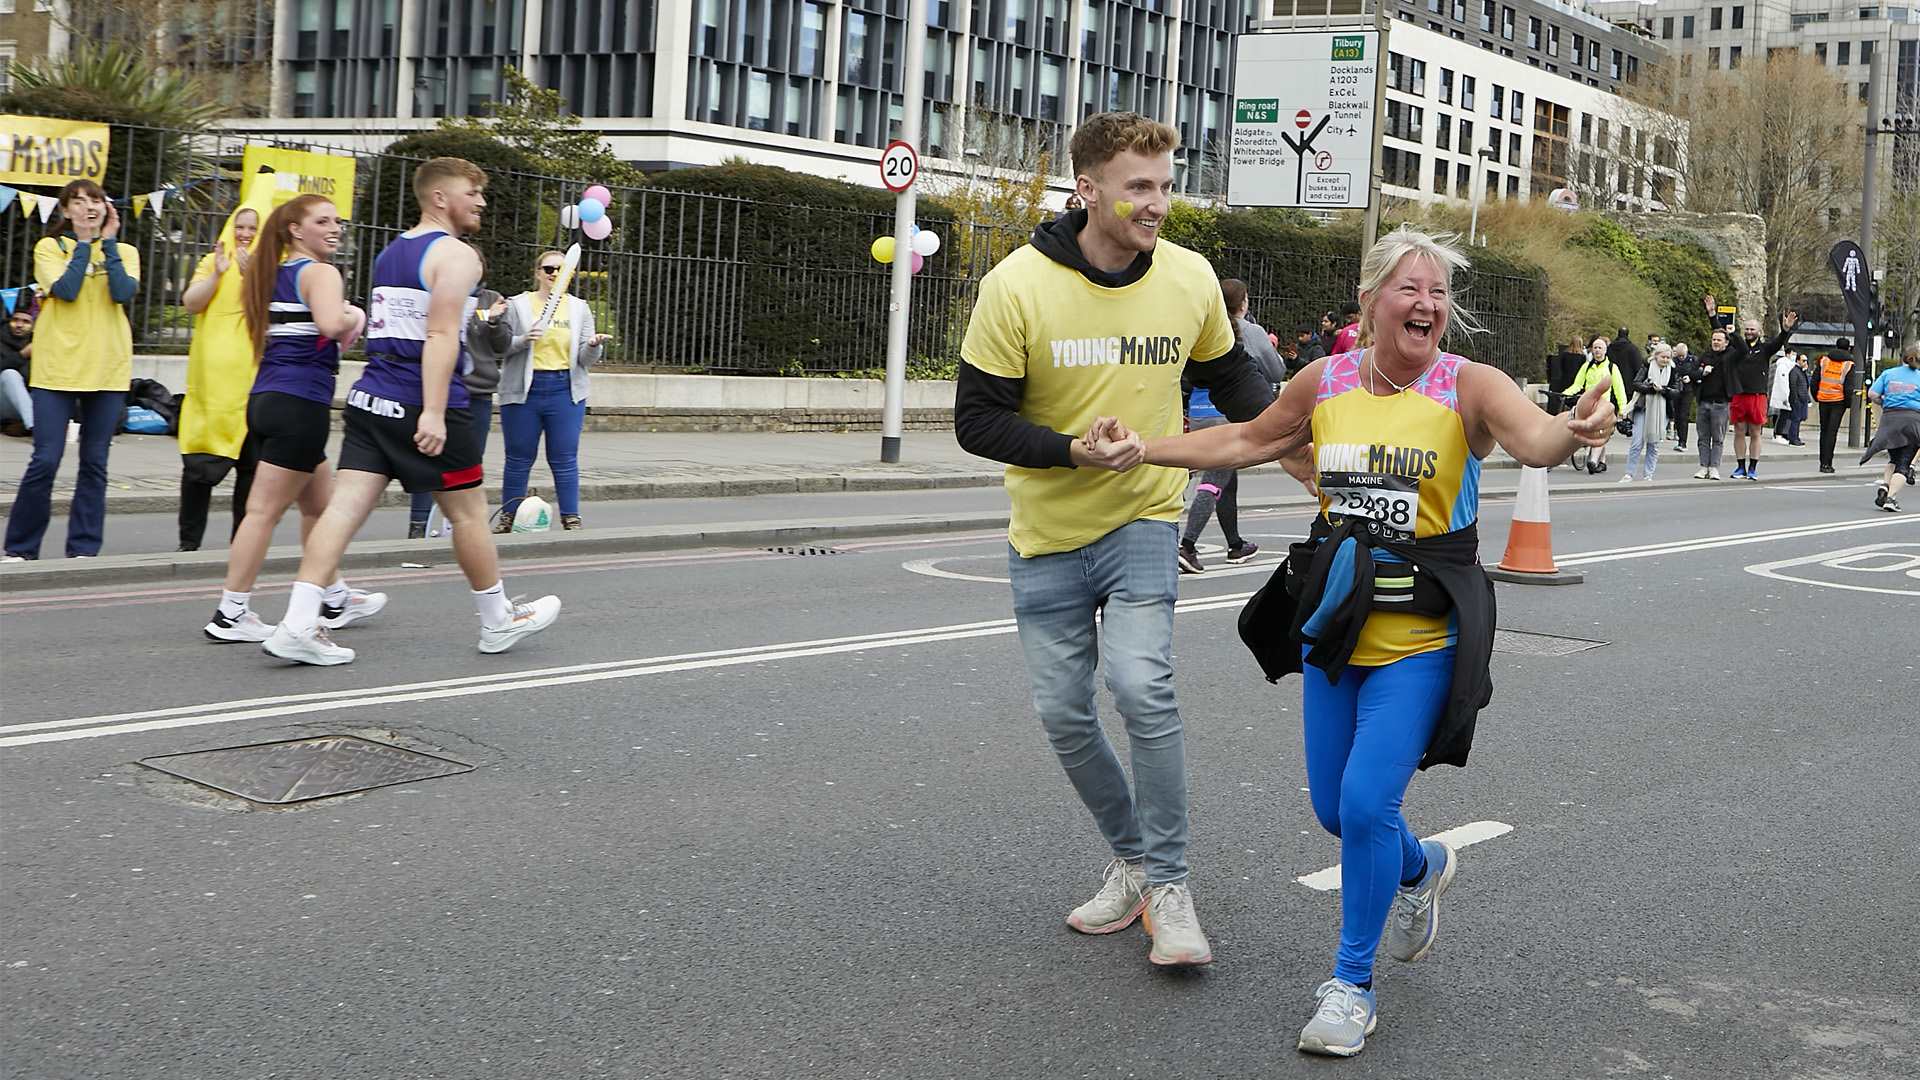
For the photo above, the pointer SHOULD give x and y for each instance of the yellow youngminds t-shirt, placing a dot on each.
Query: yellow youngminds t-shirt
(554, 350)
(85, 343)
(1085, 352)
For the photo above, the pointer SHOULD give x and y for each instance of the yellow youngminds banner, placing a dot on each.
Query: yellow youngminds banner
(43, 152)
(304, 172)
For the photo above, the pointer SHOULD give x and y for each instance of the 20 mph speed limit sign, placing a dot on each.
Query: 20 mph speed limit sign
(899, 165)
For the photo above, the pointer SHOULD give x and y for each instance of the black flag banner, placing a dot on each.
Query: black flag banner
(1850, 266)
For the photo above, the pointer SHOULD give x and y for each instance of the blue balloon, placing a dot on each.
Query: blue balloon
(592, 210)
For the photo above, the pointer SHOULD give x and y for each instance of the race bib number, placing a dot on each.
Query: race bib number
(1390, 505)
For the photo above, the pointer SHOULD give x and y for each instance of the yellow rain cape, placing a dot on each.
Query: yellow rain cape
(220, 362)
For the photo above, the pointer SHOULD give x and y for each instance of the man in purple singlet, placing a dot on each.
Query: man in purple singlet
(407, 419)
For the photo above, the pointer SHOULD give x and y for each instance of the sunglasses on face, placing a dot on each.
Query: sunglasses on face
(554, 269)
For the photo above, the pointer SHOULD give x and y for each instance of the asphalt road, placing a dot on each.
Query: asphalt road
(708, 835)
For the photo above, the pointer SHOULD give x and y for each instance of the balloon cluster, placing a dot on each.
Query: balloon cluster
(924, 243)
(589, 215)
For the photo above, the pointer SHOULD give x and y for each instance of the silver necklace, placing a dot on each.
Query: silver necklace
(1373, 372)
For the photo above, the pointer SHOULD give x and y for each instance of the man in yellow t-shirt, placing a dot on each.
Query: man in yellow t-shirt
(1097, 318)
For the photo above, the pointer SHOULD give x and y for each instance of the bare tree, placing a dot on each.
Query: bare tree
(1779, 140)
(227, 45)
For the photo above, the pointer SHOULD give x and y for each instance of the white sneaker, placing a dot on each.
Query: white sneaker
(1121, 899)
(1701, 475)
(315, 647)
(1713, 474)
(13, 558)
(1177, 940)
(248, 627)
(527, 620)
(1627, 479)
(360, 605)
(1782, 440)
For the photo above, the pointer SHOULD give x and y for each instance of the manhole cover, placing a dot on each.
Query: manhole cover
(278, 773)
(805, 551)
(1529, 644)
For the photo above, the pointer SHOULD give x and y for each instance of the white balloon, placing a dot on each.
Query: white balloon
(569, 217)
(926, 242)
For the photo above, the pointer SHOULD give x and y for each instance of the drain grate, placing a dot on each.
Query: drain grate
(298, 770)
(1530, 644)
(803, 551)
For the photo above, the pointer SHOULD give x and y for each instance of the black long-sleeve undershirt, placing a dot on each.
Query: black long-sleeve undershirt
(987, 420)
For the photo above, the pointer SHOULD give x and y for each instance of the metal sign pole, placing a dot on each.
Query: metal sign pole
(1371, 232)
(913, 80)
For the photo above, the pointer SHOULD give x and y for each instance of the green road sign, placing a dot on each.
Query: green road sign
(1349, 47)
(1256, 111)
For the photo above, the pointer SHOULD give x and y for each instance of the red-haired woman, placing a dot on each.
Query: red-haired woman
(298, 316)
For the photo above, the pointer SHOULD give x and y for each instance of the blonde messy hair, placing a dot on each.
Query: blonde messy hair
(1104, 136)
(1385, 257)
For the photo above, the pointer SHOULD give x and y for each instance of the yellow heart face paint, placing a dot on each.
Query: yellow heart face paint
(1123, 209)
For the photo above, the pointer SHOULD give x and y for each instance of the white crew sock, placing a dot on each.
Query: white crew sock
(495, 611)
(336, 594)
(234, 604)
(303, 608)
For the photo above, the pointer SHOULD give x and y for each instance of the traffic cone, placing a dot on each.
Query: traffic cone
(1529, 557)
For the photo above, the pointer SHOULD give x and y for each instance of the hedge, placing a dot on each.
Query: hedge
(1296, 269)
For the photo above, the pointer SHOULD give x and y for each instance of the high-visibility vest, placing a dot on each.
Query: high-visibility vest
(1833, 379)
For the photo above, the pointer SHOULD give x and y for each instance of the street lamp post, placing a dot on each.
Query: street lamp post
(1486, 153)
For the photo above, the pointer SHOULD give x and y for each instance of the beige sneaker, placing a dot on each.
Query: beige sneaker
(1177, 940)
(1120, 900)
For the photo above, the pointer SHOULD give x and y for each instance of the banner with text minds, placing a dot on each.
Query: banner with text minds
(304, 172)
(41, 151)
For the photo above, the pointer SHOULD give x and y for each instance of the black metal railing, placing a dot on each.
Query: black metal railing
(688, 281)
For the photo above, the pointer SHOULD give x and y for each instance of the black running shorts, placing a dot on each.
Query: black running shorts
(379, 439)
(288, 431)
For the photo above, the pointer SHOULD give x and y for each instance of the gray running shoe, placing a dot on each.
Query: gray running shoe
(1121, 899)
(1177, 939)
(1415, 918)
(1342, 1022)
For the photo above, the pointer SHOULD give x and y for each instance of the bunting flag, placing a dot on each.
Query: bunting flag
(139, 205)
(47, 203)
(27, 201)
(159, 202)
(12, 297)
(7, 195)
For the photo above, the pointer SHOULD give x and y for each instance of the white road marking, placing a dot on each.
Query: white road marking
(232, 711)
(1464, 836)
(1855, 559)
(89, 727)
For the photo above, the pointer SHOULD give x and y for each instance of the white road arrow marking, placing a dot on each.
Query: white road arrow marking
(1465, 836)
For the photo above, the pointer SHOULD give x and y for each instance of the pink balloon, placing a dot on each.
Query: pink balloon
(598, 229)
(919, 261)
(599, 191)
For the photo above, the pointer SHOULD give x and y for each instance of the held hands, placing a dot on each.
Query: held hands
(1592, 418)
(359, 326)
(1109, 445)
(430, 434)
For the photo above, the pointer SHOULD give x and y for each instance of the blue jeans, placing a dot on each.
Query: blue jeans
(16, 402)
(550, 409)
(420, 508)
(99, 414)
(1130, 578)
(1365, 736)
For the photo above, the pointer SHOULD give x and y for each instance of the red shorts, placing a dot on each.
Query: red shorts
(1749, 409)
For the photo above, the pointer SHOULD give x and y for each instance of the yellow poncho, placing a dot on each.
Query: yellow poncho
(220, 361)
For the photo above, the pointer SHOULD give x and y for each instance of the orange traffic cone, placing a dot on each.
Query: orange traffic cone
(1529, 557)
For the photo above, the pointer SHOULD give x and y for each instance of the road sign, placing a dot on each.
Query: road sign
(1324, 82)
(899, 166)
